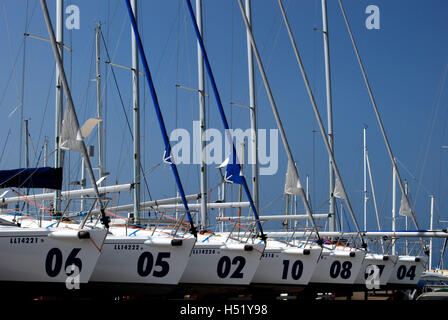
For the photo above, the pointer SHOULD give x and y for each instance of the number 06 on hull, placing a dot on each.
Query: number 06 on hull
(40, 255)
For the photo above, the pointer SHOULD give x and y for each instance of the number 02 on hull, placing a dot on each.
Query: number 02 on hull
(217, 261)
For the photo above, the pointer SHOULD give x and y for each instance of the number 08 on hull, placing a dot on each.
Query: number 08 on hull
(338, 266)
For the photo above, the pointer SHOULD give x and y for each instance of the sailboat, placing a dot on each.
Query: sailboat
(41, 256)
(408, 269)
(231, 261)
(130, 256)
(330, 258)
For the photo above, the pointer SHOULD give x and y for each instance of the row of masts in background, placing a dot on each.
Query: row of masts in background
(59, 155)
(136, 121)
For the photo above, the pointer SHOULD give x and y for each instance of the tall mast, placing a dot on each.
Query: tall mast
(83, 183)
(99, 102)
(365, 176)
(58, 154)
(41, 211)
(27, 155)
(204, 215)
(332, 219)
(136, 117)
(380, 122)
(253, 110)
(431, 225)
(406, 219)
(71, 109)
(394, 202)
(319, 120)
(291, 161)
(27, 150)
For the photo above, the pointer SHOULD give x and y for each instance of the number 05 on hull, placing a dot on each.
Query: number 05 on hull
(142, 259)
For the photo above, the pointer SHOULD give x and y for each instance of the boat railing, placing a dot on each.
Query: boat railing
(164, 222)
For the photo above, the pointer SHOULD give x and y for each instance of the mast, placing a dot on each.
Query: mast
(159, 117)
(291, 161)
(431, 225)
(380, 122)
(394, 203)
(201, 96)
(372, 187)
(83, 182)
(253, 110)
(307, 194)
(58, 154)
(319, 120)
(27, 150)
(365, 177)
(71, 108)
(99, 102)
(27, 156)
(406, 219)
(332, 220)
(42, 211)
(136, 117)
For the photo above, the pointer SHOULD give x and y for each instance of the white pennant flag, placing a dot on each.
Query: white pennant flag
(405, 209)
(338, 192)
(292, 183)
(71, 137)
(88, 126)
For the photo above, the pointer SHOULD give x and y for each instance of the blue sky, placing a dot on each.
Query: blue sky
(405, 61)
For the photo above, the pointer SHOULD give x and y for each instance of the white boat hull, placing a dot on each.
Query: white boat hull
(372, 278)
(287, 265)
(46, 255)
(408, 270)
(142, 260)
(216, 261)
(338, 266)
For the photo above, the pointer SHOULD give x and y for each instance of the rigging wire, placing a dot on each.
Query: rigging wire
(435, 113)
(123, 108)
(53, 73)
(4, 146)
(10, 47)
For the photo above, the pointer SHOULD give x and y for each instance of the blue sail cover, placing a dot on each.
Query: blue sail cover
(46, 177)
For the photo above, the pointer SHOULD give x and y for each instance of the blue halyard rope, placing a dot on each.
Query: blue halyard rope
(159, 115)
(223, 116)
